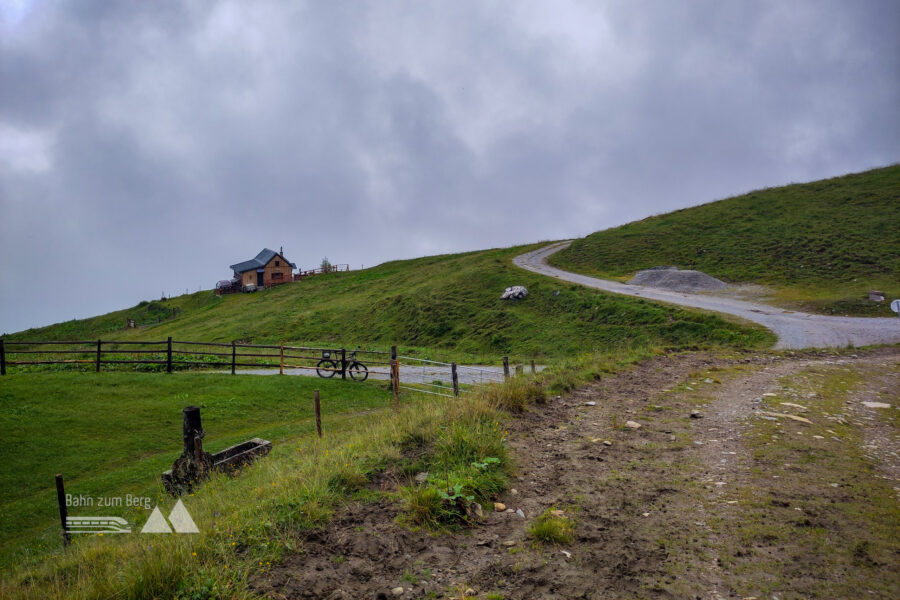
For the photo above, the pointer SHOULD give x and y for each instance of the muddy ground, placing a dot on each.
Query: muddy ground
(737, 500)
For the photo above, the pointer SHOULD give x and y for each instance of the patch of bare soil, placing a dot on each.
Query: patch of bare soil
(643, 500)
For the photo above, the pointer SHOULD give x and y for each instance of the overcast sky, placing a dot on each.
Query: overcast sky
(146, 146)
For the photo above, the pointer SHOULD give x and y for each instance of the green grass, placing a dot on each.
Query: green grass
(552, 529)
(440, 306)
(112, 434)
(822, 245)
(250, 521)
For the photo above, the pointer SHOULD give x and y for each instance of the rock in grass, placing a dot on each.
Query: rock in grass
(397, 591)
(876, 405)
(421, 478)
(696, 414)
(499, 506)
(590, 403)
(776, 415)
(516, 292)
(632, 425)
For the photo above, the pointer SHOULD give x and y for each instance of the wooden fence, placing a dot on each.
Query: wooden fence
(321, 270)
(175, 354)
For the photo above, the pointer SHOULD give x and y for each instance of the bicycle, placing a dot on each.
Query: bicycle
(327, 367)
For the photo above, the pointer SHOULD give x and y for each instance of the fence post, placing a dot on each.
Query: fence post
(519, 369)
(454, 377)
(532, 367)
(233, 356)
(2, 358)
(99, 344)
(281, 361)
(169, 356)
(63, 512)
(318, 414)
(395, 376)
(343, 363)
(505, 368)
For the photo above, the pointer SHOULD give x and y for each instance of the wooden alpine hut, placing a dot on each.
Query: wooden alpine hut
(266, 269)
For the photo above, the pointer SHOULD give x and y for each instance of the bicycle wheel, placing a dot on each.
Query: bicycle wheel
(358, 371)
(326, 368)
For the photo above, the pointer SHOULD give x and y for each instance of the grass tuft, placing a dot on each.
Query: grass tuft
(551, 528)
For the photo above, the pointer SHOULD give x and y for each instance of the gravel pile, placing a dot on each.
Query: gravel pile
(672, 278)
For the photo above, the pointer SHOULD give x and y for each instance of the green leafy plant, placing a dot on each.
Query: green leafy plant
(490, 460)
(456, 494)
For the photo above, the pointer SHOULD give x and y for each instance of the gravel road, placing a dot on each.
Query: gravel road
(414, 374)
(794, 329)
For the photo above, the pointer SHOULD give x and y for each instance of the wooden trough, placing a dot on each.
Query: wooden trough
(194, 465)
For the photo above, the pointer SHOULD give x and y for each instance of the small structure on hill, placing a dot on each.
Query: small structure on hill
(266, 269)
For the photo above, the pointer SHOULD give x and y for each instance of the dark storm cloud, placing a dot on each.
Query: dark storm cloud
(144, 147)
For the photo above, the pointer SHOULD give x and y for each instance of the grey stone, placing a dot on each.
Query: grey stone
(516, 292)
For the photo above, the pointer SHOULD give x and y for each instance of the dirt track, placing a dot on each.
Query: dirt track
(794, 329)
(733, 504)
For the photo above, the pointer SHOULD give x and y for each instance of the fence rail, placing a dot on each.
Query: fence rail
(405, 373)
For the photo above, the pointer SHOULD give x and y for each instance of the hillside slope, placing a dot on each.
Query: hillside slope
(821, 246)
(448, 304)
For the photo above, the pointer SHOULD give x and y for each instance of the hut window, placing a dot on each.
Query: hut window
(277, 276)
(277, 263)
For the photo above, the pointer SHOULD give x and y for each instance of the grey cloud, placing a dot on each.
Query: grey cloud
(157, 143)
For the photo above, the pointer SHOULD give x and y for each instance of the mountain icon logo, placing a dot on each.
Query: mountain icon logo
(179, 518)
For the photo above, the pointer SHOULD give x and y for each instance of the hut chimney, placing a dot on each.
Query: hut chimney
(281, 250)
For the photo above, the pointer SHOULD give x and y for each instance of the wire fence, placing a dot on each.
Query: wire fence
(445, 379)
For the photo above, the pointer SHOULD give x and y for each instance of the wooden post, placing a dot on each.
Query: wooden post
(454, 377)
(505, 367)
(169, 356)
(343, 363)
(281, 361)
(519, 369)
(532, 367)
(233, 356)
(2, 358)
(318, 414)
(191, 429)
(395, 376)
(99, 344)
(63, 512)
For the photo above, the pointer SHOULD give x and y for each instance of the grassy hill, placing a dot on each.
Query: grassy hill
(440, 306)
(820, 245)
(61, 423)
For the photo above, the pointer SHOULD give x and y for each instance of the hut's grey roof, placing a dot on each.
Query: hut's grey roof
(259, 261)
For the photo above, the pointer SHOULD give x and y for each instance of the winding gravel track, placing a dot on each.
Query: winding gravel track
(794, 329)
